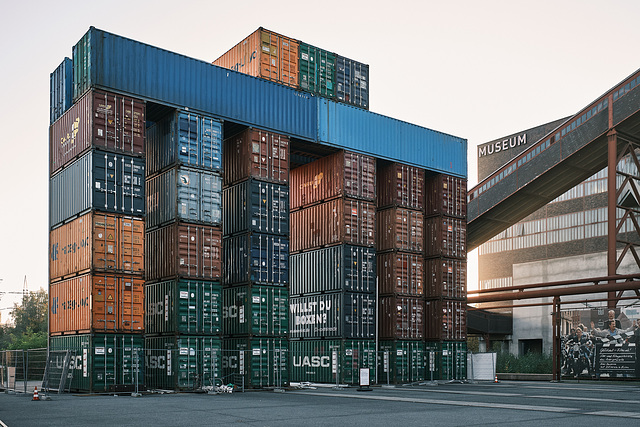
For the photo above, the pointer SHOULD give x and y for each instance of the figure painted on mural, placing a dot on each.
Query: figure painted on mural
(612, 331)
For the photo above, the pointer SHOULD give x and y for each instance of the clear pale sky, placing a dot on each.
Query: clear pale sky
(475, 69)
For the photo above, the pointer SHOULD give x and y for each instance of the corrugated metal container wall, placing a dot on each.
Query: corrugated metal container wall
(256, 206)
(98, 180)
(256, 311)
(256, 258)
(400, 229)
(98, 119)
(101, 59)
(446, 237)
(446, 195)
(447, 320)
(400, 273)
(183, 307)
(96, 303)
(336, 315)
(342, 174)
(184, 194)
(183, 250)
(317, 70)
(264, 54)
(352, 80)
(257, 154)
(182, 362)
(401, 317)
(60, 90)
(97, 242)
(103, 362)
(400, 185)
(450, 359)
(186, 139)
(264, 362)
(337, 221)
(405, 362)
(446, 278)
(336, 268)
(390, 139)
(313, 360)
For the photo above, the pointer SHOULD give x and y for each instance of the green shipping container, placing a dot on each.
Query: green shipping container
(182, 362)
(103, 362)
(255, 310)
(322, 361)
(317, 70)
(448, 360)
(260, 362)
(189, 307)
(401, 362)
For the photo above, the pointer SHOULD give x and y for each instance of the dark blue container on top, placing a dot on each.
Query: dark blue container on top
(61, 85)
(256, 206)
(255, 258)
(184, 138)
(99, 180)
(352, 81)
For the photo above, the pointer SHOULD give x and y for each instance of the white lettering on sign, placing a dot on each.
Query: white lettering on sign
(312, 362)
(503, 145)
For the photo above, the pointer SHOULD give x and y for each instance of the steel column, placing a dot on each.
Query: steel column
(612, 140)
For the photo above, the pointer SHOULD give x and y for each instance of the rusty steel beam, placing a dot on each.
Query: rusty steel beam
(542, 293)
(542, 304)
(612, 141)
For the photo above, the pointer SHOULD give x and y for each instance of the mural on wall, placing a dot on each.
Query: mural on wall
(602, 343)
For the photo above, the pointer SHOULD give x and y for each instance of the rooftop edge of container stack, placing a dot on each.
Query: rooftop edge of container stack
(99, 59)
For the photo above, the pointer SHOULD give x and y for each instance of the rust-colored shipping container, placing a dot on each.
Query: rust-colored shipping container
(256, 154)
(343, 174)
(445, 237)
(446, 320)
(400, 229)
(97, 242)
(264, 54)
(337, 221)
(96, 303)
(400, 185)
(98, 119)
(446, 195)
(183, 250)
(401, 317)
(446, 278)
(400, 273)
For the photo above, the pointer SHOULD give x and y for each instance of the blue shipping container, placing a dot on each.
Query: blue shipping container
(99, 180)
(386, 138)
(352, 78)
(105, 60)
(60, 84)
(256, 258)
(184, 194)
(256, 206)
(184, 138)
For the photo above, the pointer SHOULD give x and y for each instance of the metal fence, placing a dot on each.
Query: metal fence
(22, 370)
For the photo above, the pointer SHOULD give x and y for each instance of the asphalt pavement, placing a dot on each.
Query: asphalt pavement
(445, 404)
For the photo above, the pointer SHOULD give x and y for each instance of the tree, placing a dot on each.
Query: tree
(30, 323)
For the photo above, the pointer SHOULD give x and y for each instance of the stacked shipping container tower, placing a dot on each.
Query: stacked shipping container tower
(333, 301)
(183, 251)
(177, 212)
(96, 218)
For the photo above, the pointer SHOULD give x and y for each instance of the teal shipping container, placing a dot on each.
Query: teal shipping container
(182, 362)
(401, 362)
(103, 362)
(332, 361)
(257, 362)
(317, 70)
(255, 310)
(447, 360)
(183, 307)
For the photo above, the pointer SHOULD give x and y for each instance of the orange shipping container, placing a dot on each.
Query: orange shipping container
(446, 320)
(446, 237)
(337, 221)
(264, 54)
(97, 242)
(446, 195)
(96, 303)
(257, 154)
(341, 174)
(400, 273)
(400, 185)
(400, 229)
(446, 278)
